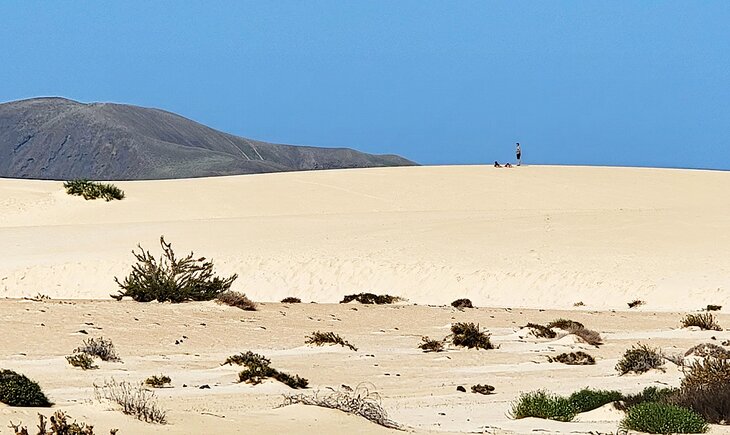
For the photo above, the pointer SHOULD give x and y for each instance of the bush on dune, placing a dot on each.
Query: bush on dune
(541, 404)
(171, 279)
(648, 394)
(428, 345)
(60, 425)
(574, 359)
(321, 338)
(712, 401)
(703, 321)
(18, 390)
(640, 359)
(469, 335)
(565, 324)
(258, 368)
(587, 400)
(370, 298)
(93, 190)
(663, 418)
(99, 347)
(291, 300)
(540, 331)
(236, 299)
(587, 335)
(462, 303)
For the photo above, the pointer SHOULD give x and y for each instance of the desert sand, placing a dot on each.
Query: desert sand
(525, 244)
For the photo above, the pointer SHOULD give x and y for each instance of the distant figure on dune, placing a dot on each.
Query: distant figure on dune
(497, 165)
(519, 154)
(508, 165)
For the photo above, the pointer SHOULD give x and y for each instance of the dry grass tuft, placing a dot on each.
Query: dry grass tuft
(321, 338)
(157, 381)
(99, 347)
(82, 361)
(564, 324)
(703, 321)
(134, 400)
(428, 345)
(708, 350)
(540, 331)
(236, 299)
(59, 426)
(588, 335)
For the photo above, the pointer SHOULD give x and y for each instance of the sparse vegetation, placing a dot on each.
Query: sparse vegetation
(258, 368)
(157, 381)
(171, 279)
(468, 335)
(587, 335)
(565, 324)
(636, 303)
(371, 298)
(99, 347)
(362, 401)
(462, 303)
(60, 425)
(703, 321)
(134, 400)
(82, 360)
(540, 331)
(663, 418)
(713, 308)
(648, 394)
(482, 389)
(587, 400)
(428, 345)
(291, 300)
(321, 338)
(93, 190)
(706, 373)
(574, 359)
(18, 390)
(236, 299)
(541, 404)
(706, 350)
(640, 359)
(712, 401)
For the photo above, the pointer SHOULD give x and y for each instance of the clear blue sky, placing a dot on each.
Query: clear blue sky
(609, 83)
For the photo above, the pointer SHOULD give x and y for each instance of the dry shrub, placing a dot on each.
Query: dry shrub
(703, 321)
(134, 400)
(706, 350)
(713, 308)
(246, 358)
(469, 335)
(291, 300)
(363, 401)
(236, 299)
(540, 331)
(574, 359)
(82, 360)
(99, 347)
(482, 389)
(428, 345)
(708, 372)
(565, 324)
(258, 368)
(640, 359)
(588, 335)
(462, 303)
(321, 338)
(60, 425)
(157, 381)
(636, 303)
(371, 298)
(712, 402)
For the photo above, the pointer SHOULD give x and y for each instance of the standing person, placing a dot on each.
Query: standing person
(519, 154)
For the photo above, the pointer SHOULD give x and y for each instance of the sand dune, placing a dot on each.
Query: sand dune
(541, 237)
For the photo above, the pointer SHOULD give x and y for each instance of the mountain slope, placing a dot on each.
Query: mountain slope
(56, 138)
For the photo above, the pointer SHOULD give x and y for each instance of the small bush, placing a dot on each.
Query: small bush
(134, 400)
(247, 358)
(713, 308)
(482, 389)
(371, 298)
(468, 335)
(662, 418)
(703, 321)
(648, 394)
(258, 368)
(236, 299)
(706, 350)
(565, 324)
(636, 303)
(93, 190)
(712, 402)
(587, 400)
(321, 338)
(428, 345)
(18, 390)
(82, 360)
(59, 426)
(588, 335)
(708, 372)
(171, 279)
(291, 300)
(640, 359)
(540, 404)
(104, 349)
(462, 303)
(157, 381)
(540, 331)
(574, 359)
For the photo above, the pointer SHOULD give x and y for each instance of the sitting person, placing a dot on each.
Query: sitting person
(497, 165)
(508, 165)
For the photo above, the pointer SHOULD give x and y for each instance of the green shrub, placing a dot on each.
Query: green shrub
(291, 300)
(540, 331)
(540, 404)
(468, 335)
(648, 394)
(82, 360)
(18, 390)
(703, 321)
(171, 279)
(663, 418)
(462, 303)
(93, 190)
(321, 338)
(712, 402)
(574, 359)
(371, 298)
(640, 359)
(588, 400)
(236, 299)
(428, 345)
(258, 368)
(157, 381)
(100, 347)
(247, 358)
(565, 324)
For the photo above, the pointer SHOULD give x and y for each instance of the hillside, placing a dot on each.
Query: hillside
(56, 138)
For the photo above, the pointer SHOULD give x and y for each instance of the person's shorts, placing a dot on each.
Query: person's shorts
(518, 156)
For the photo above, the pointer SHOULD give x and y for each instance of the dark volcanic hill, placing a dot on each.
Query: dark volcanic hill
(60, 139)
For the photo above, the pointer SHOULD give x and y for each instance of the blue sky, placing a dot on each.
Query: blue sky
(643, 83)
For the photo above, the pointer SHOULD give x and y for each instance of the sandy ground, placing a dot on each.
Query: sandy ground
(530, 238)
